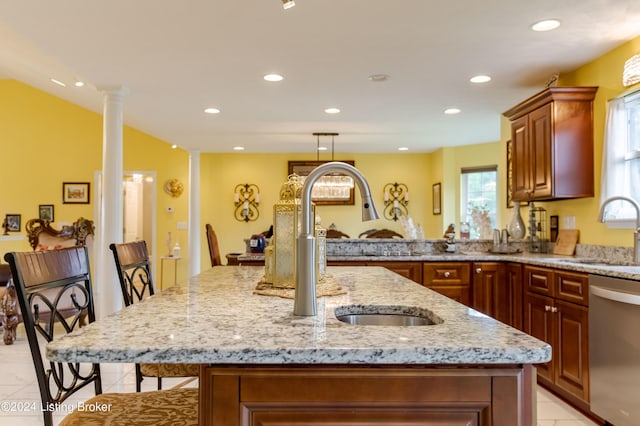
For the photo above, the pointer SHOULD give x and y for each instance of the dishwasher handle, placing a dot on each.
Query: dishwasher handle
(618, 296)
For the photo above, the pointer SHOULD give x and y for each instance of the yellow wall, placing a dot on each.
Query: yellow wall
(46, 141)
(222, 172)
(606, 73)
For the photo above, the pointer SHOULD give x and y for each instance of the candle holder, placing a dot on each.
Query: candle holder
(246, 198)
(396, 198)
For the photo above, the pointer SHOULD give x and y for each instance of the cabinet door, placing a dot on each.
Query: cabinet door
(491, 294)
(513, 277)
(541, 146)
(571, 350)
(451, 279)
(521, 155)
(538, 322)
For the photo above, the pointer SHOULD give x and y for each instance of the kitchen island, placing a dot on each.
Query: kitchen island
(263, 365)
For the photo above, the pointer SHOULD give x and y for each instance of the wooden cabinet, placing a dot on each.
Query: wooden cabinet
(552, 144)
(514, 281)
(345, 395)
(556, 311)
(452, 279)
(497, 291)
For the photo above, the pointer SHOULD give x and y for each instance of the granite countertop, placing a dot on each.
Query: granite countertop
(216, 318)
(593, 265)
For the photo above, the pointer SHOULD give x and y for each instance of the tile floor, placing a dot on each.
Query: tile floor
(18, 384)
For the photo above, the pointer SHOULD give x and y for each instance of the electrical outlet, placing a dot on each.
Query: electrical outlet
(569, 222)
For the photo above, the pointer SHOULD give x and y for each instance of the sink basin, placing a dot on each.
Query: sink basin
(386, 315)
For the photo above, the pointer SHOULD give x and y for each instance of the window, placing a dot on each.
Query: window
(479, 200)
(621, 159)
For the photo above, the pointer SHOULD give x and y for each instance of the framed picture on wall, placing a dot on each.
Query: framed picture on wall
(12, 222)
(437, 198)
(75, 193)
(45, 212)
(332, 189)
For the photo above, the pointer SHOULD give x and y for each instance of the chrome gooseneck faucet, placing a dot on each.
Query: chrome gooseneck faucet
(305, 295)
(636, 234)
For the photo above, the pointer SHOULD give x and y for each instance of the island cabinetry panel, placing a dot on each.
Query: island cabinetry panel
(452, 279)
(552, 144)
(357, 396)
(556, 311)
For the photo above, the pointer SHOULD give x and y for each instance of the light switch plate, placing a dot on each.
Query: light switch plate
(569, 222)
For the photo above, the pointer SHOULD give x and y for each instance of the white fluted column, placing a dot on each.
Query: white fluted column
(108, 296)
(194, 213)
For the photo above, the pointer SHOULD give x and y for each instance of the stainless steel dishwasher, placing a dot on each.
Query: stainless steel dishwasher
(614, 349)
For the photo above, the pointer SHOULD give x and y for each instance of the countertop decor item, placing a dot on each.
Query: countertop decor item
(246, 198)
(396, 198)
(516, 227)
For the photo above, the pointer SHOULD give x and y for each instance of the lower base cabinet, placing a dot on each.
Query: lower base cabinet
(366, 396)
(565, 326)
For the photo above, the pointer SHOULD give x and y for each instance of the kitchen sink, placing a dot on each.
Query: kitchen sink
(386, 315)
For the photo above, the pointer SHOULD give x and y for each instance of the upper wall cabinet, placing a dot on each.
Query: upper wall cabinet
(552, 144)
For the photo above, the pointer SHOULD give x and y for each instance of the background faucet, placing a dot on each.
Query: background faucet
(305, 296)
(636, 234)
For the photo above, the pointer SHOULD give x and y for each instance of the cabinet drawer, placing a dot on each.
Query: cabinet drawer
(572, 287)
(539, 280)
(446, 273)
(451, 279)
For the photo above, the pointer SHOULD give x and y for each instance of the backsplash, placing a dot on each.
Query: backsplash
(407, 247)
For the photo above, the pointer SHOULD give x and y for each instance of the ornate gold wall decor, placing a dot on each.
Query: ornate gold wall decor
(396, 198)
(246, 198)
(173, 187)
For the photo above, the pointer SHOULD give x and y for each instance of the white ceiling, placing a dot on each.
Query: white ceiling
(177, 57)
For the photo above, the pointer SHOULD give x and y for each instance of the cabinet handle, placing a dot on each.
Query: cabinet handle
(547, 308)
(554, 309)
(446, 274)
(478, 270)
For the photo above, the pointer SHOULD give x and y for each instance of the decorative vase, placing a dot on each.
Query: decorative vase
(516, 226)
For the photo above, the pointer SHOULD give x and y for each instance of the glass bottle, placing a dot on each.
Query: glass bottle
(516, 227)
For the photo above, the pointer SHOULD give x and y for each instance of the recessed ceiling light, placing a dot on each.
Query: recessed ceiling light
(378, 78)
(403, 148)
(480, 79)
(238, 148)
(546, 25)
(78, 84)
(212, 110)
(174, 146)
(273, 77)
(58, 82)
(288, 4)
(332, 110)
(452, 111)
